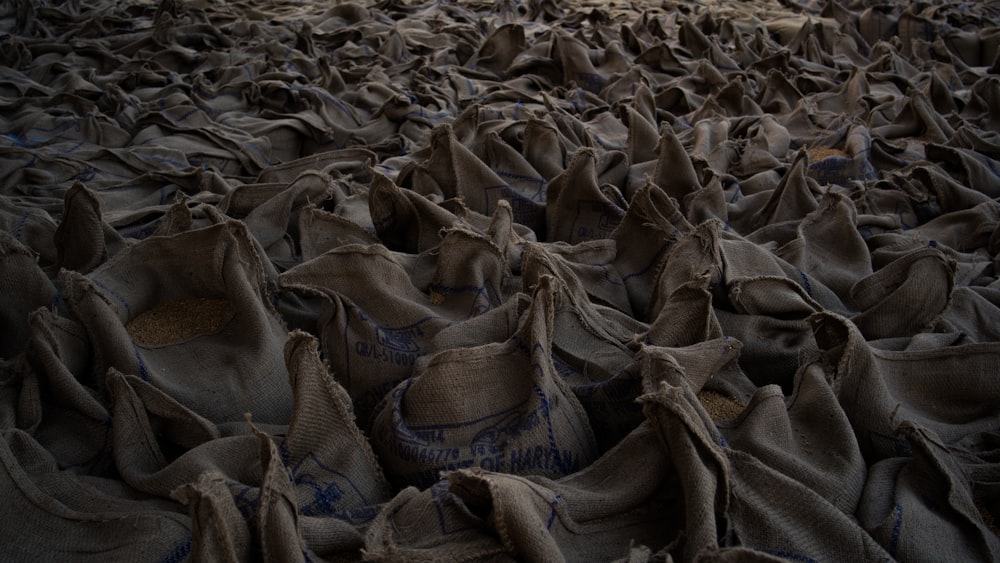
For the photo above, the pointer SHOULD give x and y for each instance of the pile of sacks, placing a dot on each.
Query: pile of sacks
(499, 281)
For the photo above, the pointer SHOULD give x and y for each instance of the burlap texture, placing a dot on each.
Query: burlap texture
(526, 280)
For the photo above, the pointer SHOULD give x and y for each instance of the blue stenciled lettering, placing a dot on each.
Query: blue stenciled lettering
(528, 460)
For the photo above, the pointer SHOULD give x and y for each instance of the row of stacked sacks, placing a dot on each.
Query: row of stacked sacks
(734, 297)
(455, 399)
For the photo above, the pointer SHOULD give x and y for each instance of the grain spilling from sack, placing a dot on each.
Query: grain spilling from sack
(177, 320)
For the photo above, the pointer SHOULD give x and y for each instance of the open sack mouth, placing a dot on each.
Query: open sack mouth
(532, 280)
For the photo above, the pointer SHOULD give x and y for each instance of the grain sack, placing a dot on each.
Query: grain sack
(829, 249)
(586, 269)
(730, 497)
(652, 224)
(383, 309)
(271, 222)
(577, 208)
(785, 433)
(331, 464)
(594, 514)
(218, 529)
(945, 492)
(743, 255)
(886, 297)
(136, 308)
(24, 287)
(157, 462)
(75, 428)
(431, 525)
(321, 231)
(525, 421)
(404, 220)
(452, 170)
(83, 240)
(81, 521)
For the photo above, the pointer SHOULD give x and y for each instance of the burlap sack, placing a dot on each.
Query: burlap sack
(74, 424)
(880, 389)
(272, 222)
(830, 250)
(580, 516)
(404, 220)
(499, 48)
(652, 216)
(373, 331)
(431, 525)
(543, 148)
(83, 240)
(730, 496)
(24, 287)
(536, 427)
(886, 297)
(330, 461)
(591, 350)
(31, 226)
(138, 310)
(336, 163)
(586, 268)
(72, 518)
(452, 170)
(927, 500)
(311, 488)
(321, 231)
(576, 208)
(218, 529)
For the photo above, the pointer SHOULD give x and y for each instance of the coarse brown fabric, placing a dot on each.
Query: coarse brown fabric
(537, 280)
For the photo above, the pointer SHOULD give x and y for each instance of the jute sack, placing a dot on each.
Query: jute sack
(804, 436)
(577, 209)
(190, 314)
(934, 498)
(313, 485)
(524, 419)
(586, 269)
(83, 240)
(730, 498)
(596, 514)
(886, 297)
(332, 466)
(652, 224)
(63, 517)
(24, 287)
(272, 222)
(829, 249)
(919, 460)
(321, 231)
(32, 226)
(382, 308)
(320, 484)
(156, 461)
(58, 401)
(404, 220)
(713, 283)
(843, 166)
(880, 389)
(335, 163)
(431, 525)
(452, 170)
(592, 348)
(219, 531)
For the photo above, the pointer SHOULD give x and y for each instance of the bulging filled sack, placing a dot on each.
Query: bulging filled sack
(189, 313)
(499, 406)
